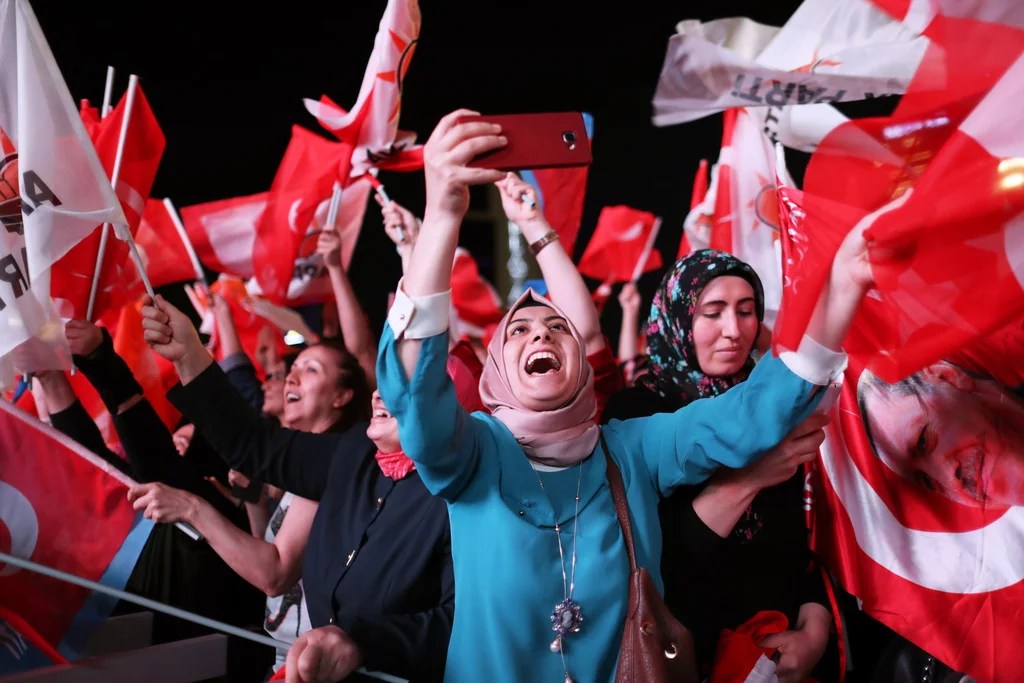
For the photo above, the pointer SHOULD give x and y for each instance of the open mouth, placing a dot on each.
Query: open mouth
(382, 414)
(542, 363)
(292, 397)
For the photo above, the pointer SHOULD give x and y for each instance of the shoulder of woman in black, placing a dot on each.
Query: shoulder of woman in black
(295, 461)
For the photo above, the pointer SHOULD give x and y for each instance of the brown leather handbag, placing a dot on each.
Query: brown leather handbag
(655, 647)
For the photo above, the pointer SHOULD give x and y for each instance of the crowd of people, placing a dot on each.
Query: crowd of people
(435, 511)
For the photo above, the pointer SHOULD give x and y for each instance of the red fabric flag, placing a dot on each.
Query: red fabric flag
(476, 302)
(308, 172)
(163, 252)
(700, 190)
(622, 239)
(956, 245)
(739, 658)
(66, 509)
(919, 509)
(72, 275)
(223, 232)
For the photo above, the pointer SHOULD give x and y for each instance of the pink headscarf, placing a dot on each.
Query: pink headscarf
(560, 437)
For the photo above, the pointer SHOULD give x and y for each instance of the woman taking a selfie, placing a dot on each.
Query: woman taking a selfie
(532, 516)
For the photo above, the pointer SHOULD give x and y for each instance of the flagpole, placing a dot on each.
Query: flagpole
(183, 234)
(108, 90)
(10, 560)
(646, 253)
(133, 82)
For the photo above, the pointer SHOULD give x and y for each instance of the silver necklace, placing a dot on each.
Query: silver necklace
(567, 615)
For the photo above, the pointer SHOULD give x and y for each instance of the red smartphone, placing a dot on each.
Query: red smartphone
(552, 140)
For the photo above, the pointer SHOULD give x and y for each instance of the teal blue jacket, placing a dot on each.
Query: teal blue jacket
(508, 575)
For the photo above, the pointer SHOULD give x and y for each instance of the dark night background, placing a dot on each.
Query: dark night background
(226, 81)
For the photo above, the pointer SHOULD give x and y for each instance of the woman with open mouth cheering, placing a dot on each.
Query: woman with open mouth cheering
(532, 519)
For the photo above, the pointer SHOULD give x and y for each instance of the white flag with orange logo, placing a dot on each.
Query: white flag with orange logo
(829, 51)
(53, 192)
(371, 126)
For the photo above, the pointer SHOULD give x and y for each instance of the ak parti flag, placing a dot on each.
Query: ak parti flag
(371, 126)
(949, 261)
(65, 508)
(700, 191)
(53, 193)
(143, 150)
(621, 248)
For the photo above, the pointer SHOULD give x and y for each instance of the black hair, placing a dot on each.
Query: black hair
(351, 376)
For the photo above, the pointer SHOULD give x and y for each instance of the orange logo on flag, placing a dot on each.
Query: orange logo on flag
(10, 193)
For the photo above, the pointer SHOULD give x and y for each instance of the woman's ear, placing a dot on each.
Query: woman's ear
(342, 398)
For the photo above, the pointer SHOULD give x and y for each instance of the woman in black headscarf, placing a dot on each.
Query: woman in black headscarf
(736, 545)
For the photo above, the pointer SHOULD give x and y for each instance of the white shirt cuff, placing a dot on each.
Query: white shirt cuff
(419, 317)
(814, 363)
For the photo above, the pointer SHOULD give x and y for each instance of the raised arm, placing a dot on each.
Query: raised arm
(450, 148)
(271, 567)
(565, 284)
(434, 430)
(295, 461)
(629, 301)
(740, 426)
(355, 328)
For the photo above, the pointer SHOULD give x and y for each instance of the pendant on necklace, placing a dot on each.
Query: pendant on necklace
(568, 679)
(566, 619)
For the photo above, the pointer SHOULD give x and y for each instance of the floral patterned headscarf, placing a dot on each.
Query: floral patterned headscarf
(674, 371)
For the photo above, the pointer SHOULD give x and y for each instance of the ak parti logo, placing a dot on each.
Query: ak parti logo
(10, 194)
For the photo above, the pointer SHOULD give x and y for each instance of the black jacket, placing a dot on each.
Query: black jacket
(378, 562)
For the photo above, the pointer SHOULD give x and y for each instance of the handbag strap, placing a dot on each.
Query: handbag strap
(618, 490)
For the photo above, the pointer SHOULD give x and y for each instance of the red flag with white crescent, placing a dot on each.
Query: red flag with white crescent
(954, 251)
(919, 507)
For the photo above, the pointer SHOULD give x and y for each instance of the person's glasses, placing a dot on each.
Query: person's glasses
(280, 375)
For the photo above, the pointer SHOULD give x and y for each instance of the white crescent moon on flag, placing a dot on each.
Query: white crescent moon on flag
(18, 515)
(1013, 237)
(293, 214)
(969, 562)
(632, 233)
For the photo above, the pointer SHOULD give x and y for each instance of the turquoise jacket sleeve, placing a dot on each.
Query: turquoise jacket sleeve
(734, 429)
(435, 431)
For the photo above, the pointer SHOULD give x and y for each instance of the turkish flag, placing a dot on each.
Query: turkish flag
(223, 232)
(144, 146)
(66, 509)
(165, 256)
(306, 178)
(476, 302)
(954, 251)
(918, 509)
(371, 127)
(621, 248)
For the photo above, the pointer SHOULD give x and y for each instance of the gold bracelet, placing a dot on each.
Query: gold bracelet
(549, 237)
